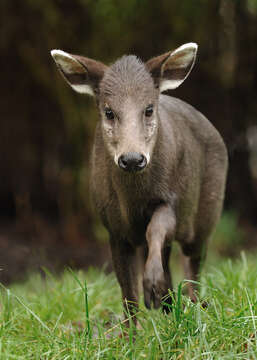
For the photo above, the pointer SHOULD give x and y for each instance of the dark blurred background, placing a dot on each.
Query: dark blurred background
(46, 130)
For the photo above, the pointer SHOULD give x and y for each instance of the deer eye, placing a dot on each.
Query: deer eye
(109, 113)
(149, 110)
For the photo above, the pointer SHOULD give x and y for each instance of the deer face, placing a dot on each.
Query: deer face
(127, 95)
(128, 104)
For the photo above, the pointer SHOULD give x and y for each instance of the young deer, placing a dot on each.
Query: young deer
(158, 167)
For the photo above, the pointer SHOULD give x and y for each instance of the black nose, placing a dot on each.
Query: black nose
(132, 161)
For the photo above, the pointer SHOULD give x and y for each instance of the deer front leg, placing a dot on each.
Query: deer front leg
(157, 279)
(125, 266)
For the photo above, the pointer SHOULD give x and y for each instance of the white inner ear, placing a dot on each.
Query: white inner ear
(189, 54)
(67, 62)
(189, 50)
(70, 65)
(170, 84)
(83, 89)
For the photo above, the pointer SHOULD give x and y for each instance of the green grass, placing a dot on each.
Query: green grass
(61, 318)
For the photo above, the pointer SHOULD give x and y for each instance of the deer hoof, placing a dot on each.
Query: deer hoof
(154, 285)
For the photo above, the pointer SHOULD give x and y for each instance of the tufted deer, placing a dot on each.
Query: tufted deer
(158, 167)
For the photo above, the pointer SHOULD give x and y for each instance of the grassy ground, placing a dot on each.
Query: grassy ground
(60, 318)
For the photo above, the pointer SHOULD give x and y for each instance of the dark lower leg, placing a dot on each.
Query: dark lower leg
(192, 267)
(166, 307)
(124, 261)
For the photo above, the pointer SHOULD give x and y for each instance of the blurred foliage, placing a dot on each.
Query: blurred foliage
(47, 130)
(229, 238)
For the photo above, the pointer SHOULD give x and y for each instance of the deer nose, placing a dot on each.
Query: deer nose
(132, 161)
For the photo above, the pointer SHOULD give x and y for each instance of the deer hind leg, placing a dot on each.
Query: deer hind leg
(209, 211)
(195, 248)
(193, 258)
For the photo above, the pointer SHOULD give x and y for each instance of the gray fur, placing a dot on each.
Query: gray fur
(178, 196)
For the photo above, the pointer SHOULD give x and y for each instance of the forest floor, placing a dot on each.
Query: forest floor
(78, 315)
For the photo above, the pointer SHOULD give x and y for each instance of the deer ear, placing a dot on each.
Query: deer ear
(81, 73)
(172, 68)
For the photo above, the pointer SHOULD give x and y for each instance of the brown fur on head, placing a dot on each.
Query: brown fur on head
(127, 90)
(127, 94)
